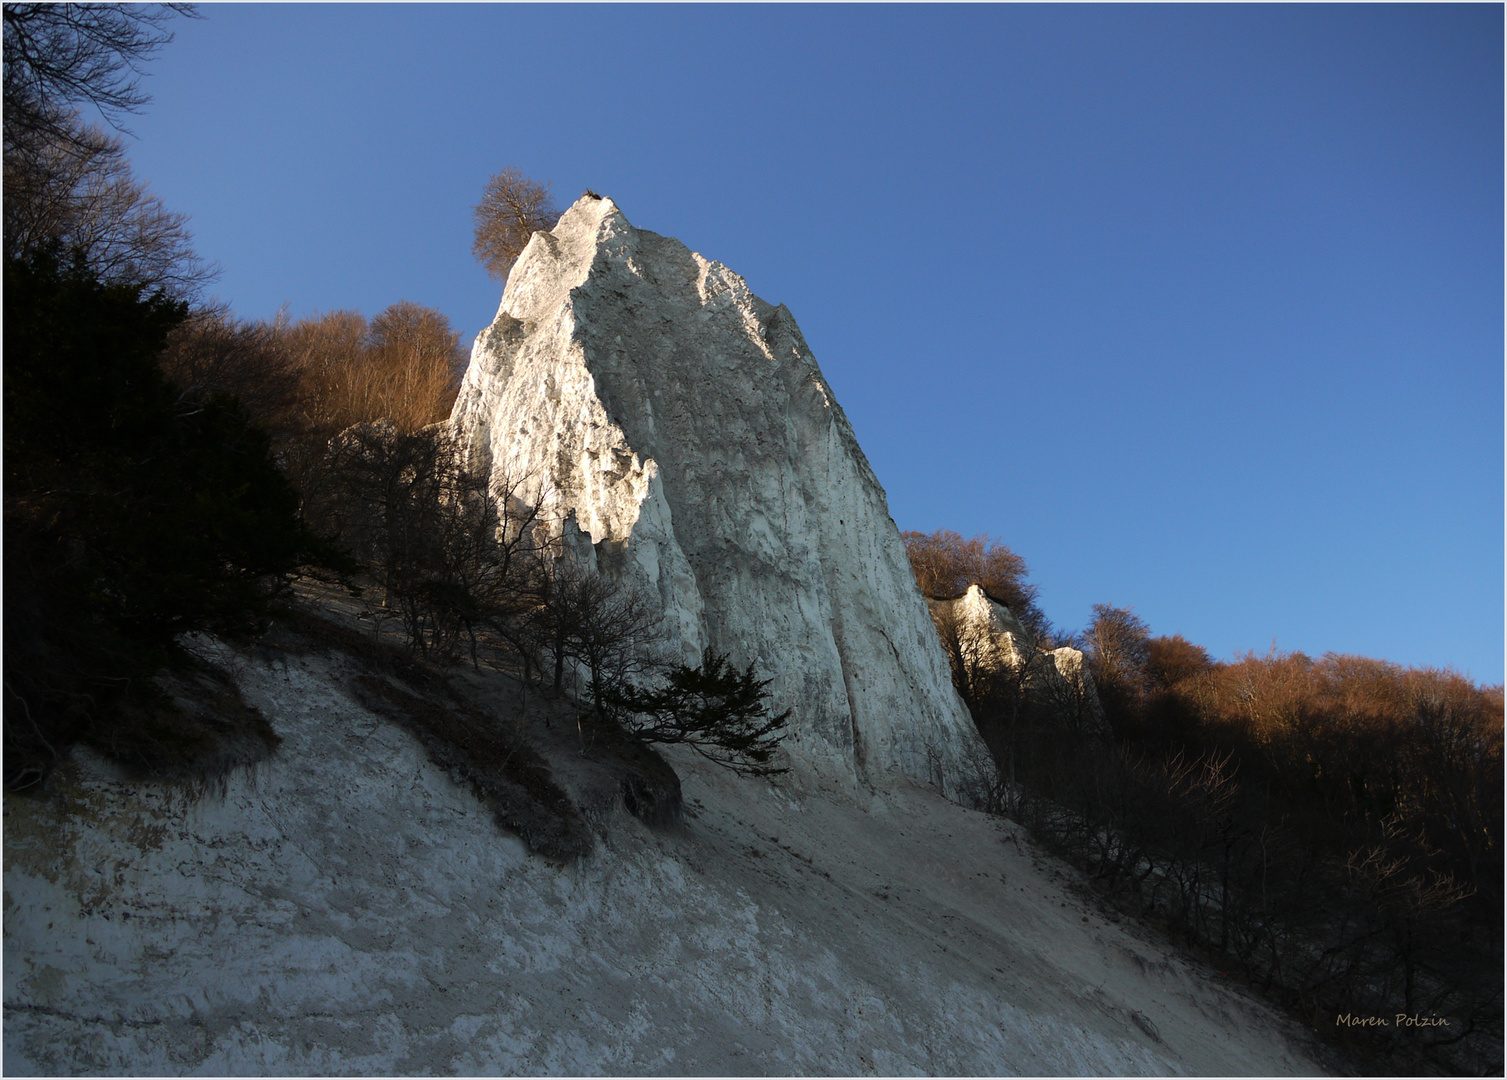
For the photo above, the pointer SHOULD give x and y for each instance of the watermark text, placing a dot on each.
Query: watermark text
(1401, 1020)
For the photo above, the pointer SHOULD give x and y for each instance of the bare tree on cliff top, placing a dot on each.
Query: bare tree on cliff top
(945, 565)
(512, 209)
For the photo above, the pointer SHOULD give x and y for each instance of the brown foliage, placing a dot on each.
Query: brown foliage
(1332, 828)
(1416, 751)
(945, 566)
(1175, 659)
(1118, 645)
(512, 208)
(305, 382)
(404, 368)
(323, 374)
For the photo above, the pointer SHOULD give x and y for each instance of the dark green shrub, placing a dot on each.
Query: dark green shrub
(720, 712)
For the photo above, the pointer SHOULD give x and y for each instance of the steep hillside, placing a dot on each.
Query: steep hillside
(353, 908)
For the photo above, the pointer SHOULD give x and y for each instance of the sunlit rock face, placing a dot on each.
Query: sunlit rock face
(681, 430)
(988, 634)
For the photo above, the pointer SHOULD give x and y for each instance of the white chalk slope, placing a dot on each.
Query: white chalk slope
(351, 910)
(684, 426)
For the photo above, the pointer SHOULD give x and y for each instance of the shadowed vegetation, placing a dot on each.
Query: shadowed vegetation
(1328, 830)
(132, 517)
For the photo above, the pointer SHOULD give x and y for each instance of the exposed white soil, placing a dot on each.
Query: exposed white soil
(349, 908)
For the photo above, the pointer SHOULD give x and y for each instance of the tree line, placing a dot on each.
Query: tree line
(1326, 829)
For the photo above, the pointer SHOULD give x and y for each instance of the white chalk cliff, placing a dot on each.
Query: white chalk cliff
(681, 429)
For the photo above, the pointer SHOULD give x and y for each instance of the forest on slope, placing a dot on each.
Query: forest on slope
(1326, 829)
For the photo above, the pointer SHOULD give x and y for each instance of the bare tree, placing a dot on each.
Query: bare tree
(1117, 645)
(212, 352)
(67, 182)
(327, 352)
(1071, 696)
(61, 56)
(971, 656)
(994, 674)
(1174, 659)
(417, 361)
(610, 628)
(491, 543)
(512, 208)
(80, 194)
(456, 557)
(404, 366)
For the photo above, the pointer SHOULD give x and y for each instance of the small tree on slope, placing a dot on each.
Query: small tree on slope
(715, 709)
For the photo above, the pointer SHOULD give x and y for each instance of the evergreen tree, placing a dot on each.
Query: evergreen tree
(715, 709)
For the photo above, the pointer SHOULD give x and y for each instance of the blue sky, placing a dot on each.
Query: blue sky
(1199, 309)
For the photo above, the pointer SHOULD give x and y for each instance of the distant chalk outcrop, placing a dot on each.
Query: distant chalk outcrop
(1058, 680)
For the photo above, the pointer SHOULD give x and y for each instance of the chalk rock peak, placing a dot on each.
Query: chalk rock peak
(986, 618)
(681, 429)
(1058, 679)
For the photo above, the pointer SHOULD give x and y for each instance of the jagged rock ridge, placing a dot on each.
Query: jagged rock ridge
(681, 429)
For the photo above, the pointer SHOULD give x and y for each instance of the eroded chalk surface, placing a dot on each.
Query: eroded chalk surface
(350, 909)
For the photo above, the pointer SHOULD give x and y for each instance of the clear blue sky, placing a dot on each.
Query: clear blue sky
(1199, 309)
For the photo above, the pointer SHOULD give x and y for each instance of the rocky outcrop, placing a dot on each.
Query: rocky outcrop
(986, 636)
(1080, 706)
(680, 430)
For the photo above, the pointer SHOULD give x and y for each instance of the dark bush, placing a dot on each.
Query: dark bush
(715, 709)
(132, 515)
